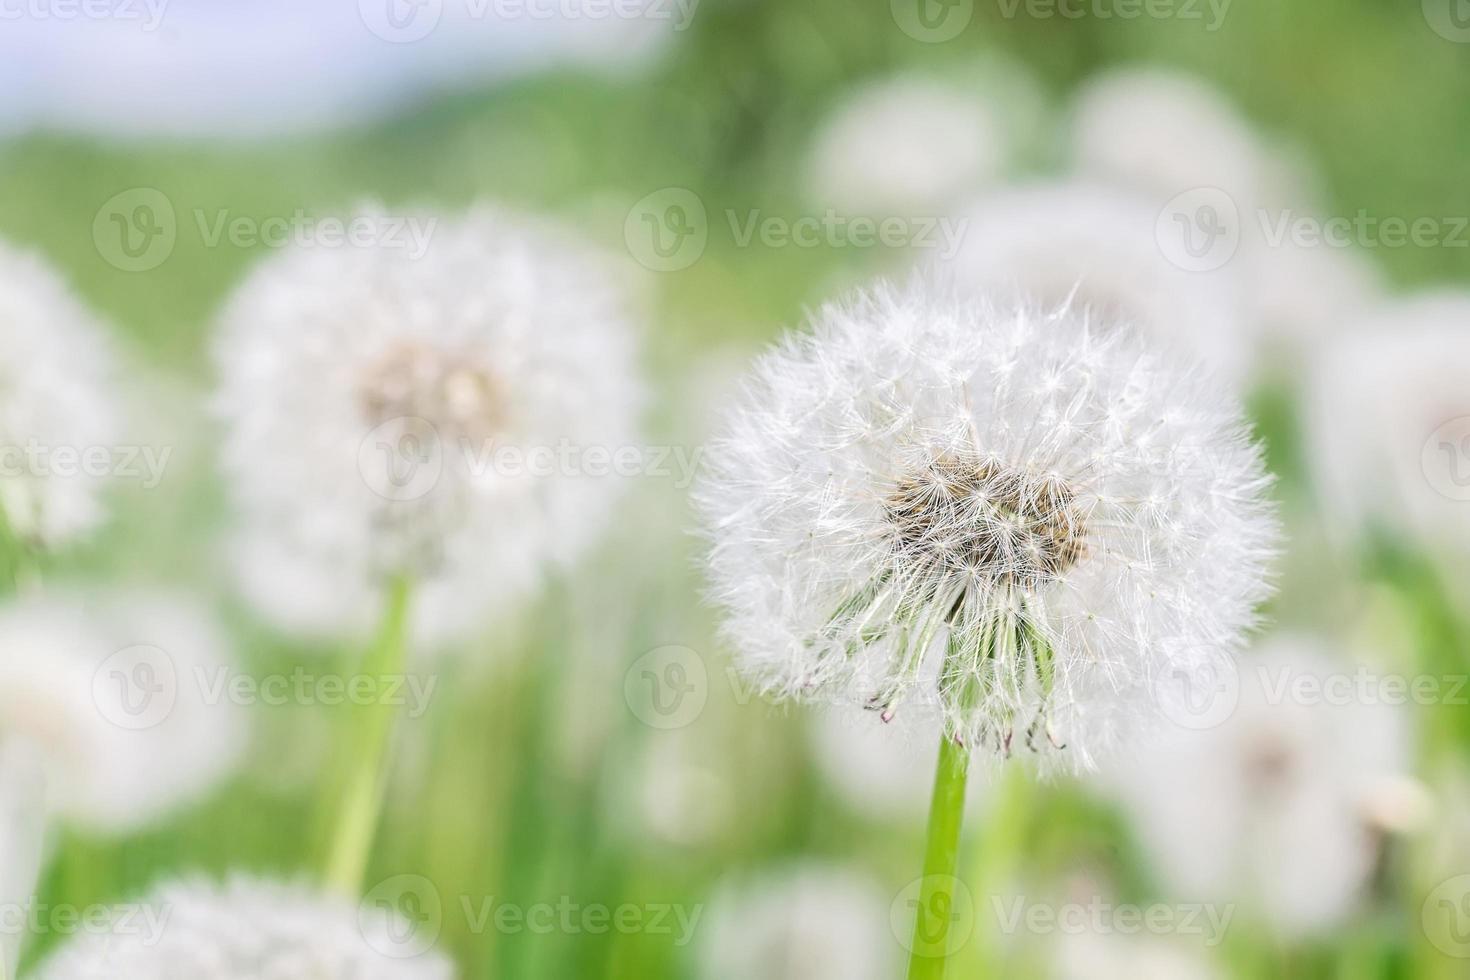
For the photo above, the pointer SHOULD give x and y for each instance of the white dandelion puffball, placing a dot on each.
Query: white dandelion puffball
(1388, 423)
(462, 414)
(1052, 513)
(806, 922)
(908, 145)
(1094, 247)
(1276, 807)
(56, 378)
(1165, 132)
(122, 697)
(1110, 955)
(247, 929)
(1303, 297)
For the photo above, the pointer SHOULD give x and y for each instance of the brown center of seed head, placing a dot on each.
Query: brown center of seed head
(454, 393)
(973, 514)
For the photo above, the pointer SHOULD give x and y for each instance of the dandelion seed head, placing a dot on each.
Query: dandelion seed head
(56, 377)
(1386, 423)
(243, 929)
(1049, 510)
(1094, 248)
(916, 145)
(388, 412)
(804, 922)
(1162, 133)
(1278, 807)
(121, 743)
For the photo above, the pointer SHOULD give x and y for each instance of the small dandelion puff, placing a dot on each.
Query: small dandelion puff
(880, 769)
(244, 929)
(56, 374)
(1300, 296)
(1162, 133)
(909, 145)
(431, 416)
(804, 922)
(1040, 515)
(108, 695)
(1115, 955)
(1284, 807)
(1093, 247)
(1387, 420)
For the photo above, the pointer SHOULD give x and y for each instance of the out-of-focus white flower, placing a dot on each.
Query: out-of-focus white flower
(22, 841)
(682, 799)
(221, 70)
(1115, 956)
(56, 378)
(1164, 132)
(449, 417)
(1094, 247)
(247, 929)
(918, 145)
(1275, 808)
(884, 769)
(808, 922)
(119, 697)
(1388, 422)
(1303, 297)
(1049, 510)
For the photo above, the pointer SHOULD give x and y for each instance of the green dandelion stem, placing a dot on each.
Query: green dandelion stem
(369, 750)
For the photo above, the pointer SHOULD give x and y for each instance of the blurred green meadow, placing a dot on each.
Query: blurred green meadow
(528, 780)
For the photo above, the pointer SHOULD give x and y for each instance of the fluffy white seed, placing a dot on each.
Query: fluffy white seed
(1043, 516)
